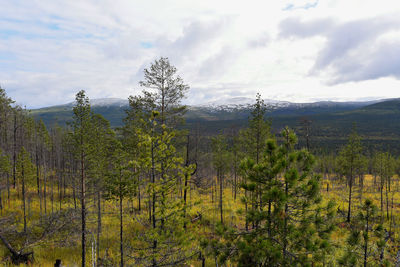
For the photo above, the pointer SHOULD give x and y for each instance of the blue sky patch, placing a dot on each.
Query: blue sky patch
(146, 45)
(306, 6)
(7, 56)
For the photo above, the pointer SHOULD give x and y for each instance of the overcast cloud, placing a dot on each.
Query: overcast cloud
(295, 50)
(357, 50)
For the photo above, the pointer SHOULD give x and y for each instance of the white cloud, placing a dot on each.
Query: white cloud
(51, 49)
(358, 50)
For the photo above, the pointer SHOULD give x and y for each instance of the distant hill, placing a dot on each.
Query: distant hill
(239, 108)
(377, 121)
(217, 112)
(113, 109)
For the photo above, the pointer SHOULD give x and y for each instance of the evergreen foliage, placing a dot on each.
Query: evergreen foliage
(366, 241)
(165, 90)
(289, 225)
(349, 161)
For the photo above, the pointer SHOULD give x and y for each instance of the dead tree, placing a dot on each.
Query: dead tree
(17, 257)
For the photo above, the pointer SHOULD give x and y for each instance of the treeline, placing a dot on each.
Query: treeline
(157, 179)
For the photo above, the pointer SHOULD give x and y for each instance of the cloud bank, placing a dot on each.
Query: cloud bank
(287, 50)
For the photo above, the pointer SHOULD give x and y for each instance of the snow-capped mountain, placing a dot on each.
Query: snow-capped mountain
(106, 102)
(235, 101)
(244, 103)
(238, 103)
(235, 110)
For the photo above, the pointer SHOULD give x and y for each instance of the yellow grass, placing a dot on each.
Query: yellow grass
(46, 254)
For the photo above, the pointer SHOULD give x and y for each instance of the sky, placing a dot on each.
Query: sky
(293, 50)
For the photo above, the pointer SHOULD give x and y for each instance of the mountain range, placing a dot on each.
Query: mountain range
(236, 108)
(378, 121)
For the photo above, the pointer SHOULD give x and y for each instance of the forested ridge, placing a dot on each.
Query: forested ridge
(154, 193)
(330, 122)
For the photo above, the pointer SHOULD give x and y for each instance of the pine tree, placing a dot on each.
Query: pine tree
(301, 229)
(81, 133)
(384, 168)
(163, 93)
(365, 239)
(290, 226)
(349, 161)
(165, 90)
(165, 235)
(120, 185)
(5, 119)
(5, 168)
(5, 112)
(253, 141)
(258, 131)
(236, 157)
(150, 138)
(221, 157)
(136, 123)
(101, 138)
(25, 171)
(42, 158)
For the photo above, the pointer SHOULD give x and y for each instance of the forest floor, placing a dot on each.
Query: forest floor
(67, 248)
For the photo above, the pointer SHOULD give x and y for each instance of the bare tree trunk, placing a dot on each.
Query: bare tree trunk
(83, 207)
(149, 209)
(121, 226)
(220, 196)
(8, 189)
(45, 190)
(235, 183)
(98, 220)
(186, 183)
(285, 230)
(15, 149)
(72, 177)
(381, 187)
(212, 192)
(65, 179)
(391, 218)
(38, 178)
(51, 180)
(361, 179)
(387, 201)
(366, 241)
(153, 202)
(350, 189)
(59, 189)
(139, 196)
(23, 192)
(246, 208)
(1, 202)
